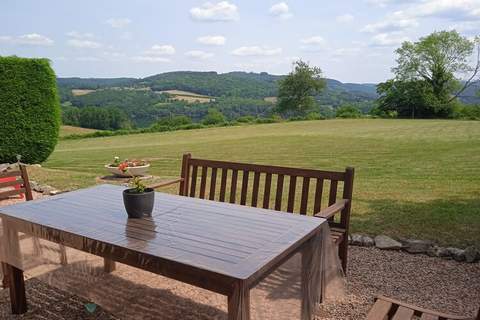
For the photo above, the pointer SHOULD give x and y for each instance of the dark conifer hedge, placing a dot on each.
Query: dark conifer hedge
(29, 109)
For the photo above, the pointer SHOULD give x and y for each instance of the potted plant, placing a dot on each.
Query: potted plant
(135, 167)
(138, 199)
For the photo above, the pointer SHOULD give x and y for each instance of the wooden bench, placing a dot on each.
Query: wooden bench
(265, 186)
(390, 309)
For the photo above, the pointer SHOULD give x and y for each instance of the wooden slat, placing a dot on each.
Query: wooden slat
(213, 182)
(403, 313)
(243, 195)
(279, 193)
(223, 185)
(330, 211)
(318, 196)
(332, 198)
(203, 182)
(194, 181)
(11, 183)
(304, 200)
(9, 193)
(184, 175)
(331, 175)
(427, 316)
(266, 193)
(15, 173)
(379, 310)
(291, 193)
(256, 183)
(233, 188)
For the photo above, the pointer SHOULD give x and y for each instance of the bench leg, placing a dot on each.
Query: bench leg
(239, 302)
(108, 265)
(16, 284)
(343, 253)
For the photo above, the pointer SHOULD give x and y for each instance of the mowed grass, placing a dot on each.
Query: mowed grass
(414, 178)
(68, 130)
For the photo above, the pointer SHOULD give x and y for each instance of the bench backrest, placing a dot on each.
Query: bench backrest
(269, 187)
(17, 179)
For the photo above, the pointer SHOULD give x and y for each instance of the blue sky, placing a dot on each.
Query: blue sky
(352, 41)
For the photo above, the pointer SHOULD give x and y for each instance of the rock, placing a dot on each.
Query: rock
(349, 239)
(457, 254)
(387, 243)
(43, 188)
(54, 192)
(417, 246)
(357, 239)
(37, 165)
(367, 241)
(471, 254)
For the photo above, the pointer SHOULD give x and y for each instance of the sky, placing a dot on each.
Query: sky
(351, 41)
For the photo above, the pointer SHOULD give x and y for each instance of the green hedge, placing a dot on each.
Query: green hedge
(29, 109)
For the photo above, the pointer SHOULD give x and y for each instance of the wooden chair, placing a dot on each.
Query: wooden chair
(390, 309)
(22, 180)
(240, 175)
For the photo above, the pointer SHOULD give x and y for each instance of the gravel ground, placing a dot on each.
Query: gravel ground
(444, 285)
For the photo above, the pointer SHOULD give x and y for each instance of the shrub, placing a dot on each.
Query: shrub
(213, 117)
(246, 119)
(348, 111)
(30, 109)
(175, 121)
(467, 112)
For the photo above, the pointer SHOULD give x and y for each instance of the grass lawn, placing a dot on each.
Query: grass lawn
(68, 130)
(414, 178)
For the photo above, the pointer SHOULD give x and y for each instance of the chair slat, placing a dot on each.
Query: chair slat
(193, 185)
(318, 196)
(223, 185)
(427, 316)
(403, 313)
(304, 200)
(9, 193)
(213, 182)
(256, 183)
(379, 310)
(11, 183)
(203, 182)
(291, 193)
(9, 174)
(333, 192)
(243, 195)
(266, 194)
(279, 193)
(233, 188)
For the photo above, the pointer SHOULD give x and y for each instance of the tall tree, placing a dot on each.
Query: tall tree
(297, 90)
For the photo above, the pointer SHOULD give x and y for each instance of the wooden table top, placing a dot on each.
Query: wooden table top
(231, 240)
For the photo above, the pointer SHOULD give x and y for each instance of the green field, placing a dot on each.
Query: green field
(414, 178)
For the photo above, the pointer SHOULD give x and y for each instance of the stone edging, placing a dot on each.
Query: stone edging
(469, 254)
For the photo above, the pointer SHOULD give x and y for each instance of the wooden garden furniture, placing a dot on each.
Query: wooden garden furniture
(18, 179)
(221, 247)
(390, 309)
(242, 190)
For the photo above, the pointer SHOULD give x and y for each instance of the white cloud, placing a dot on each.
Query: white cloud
(33, 39)
(212, 40)
(88, 44)
(79, 35)
(161, 50)
(88, 59)
(221, 11)
(280, 10)
(256, 51)
(315, 43)
(150, 59)
(388, 39)
(6, 39)
(342, 52)
(198, 54)
(395, 22)
(118, 23)
(449, 9)
(345, 18)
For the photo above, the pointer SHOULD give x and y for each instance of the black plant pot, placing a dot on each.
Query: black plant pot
(138, 204)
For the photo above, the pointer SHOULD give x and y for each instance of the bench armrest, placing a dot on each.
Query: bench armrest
(165, 183)
(333, 209)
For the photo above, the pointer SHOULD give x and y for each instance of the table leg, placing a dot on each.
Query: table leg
(239, 302)
(18, 298)
(108, 265)
(311, 278)
(5, 280)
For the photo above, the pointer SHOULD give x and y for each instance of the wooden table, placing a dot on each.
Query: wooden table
(220, 247)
